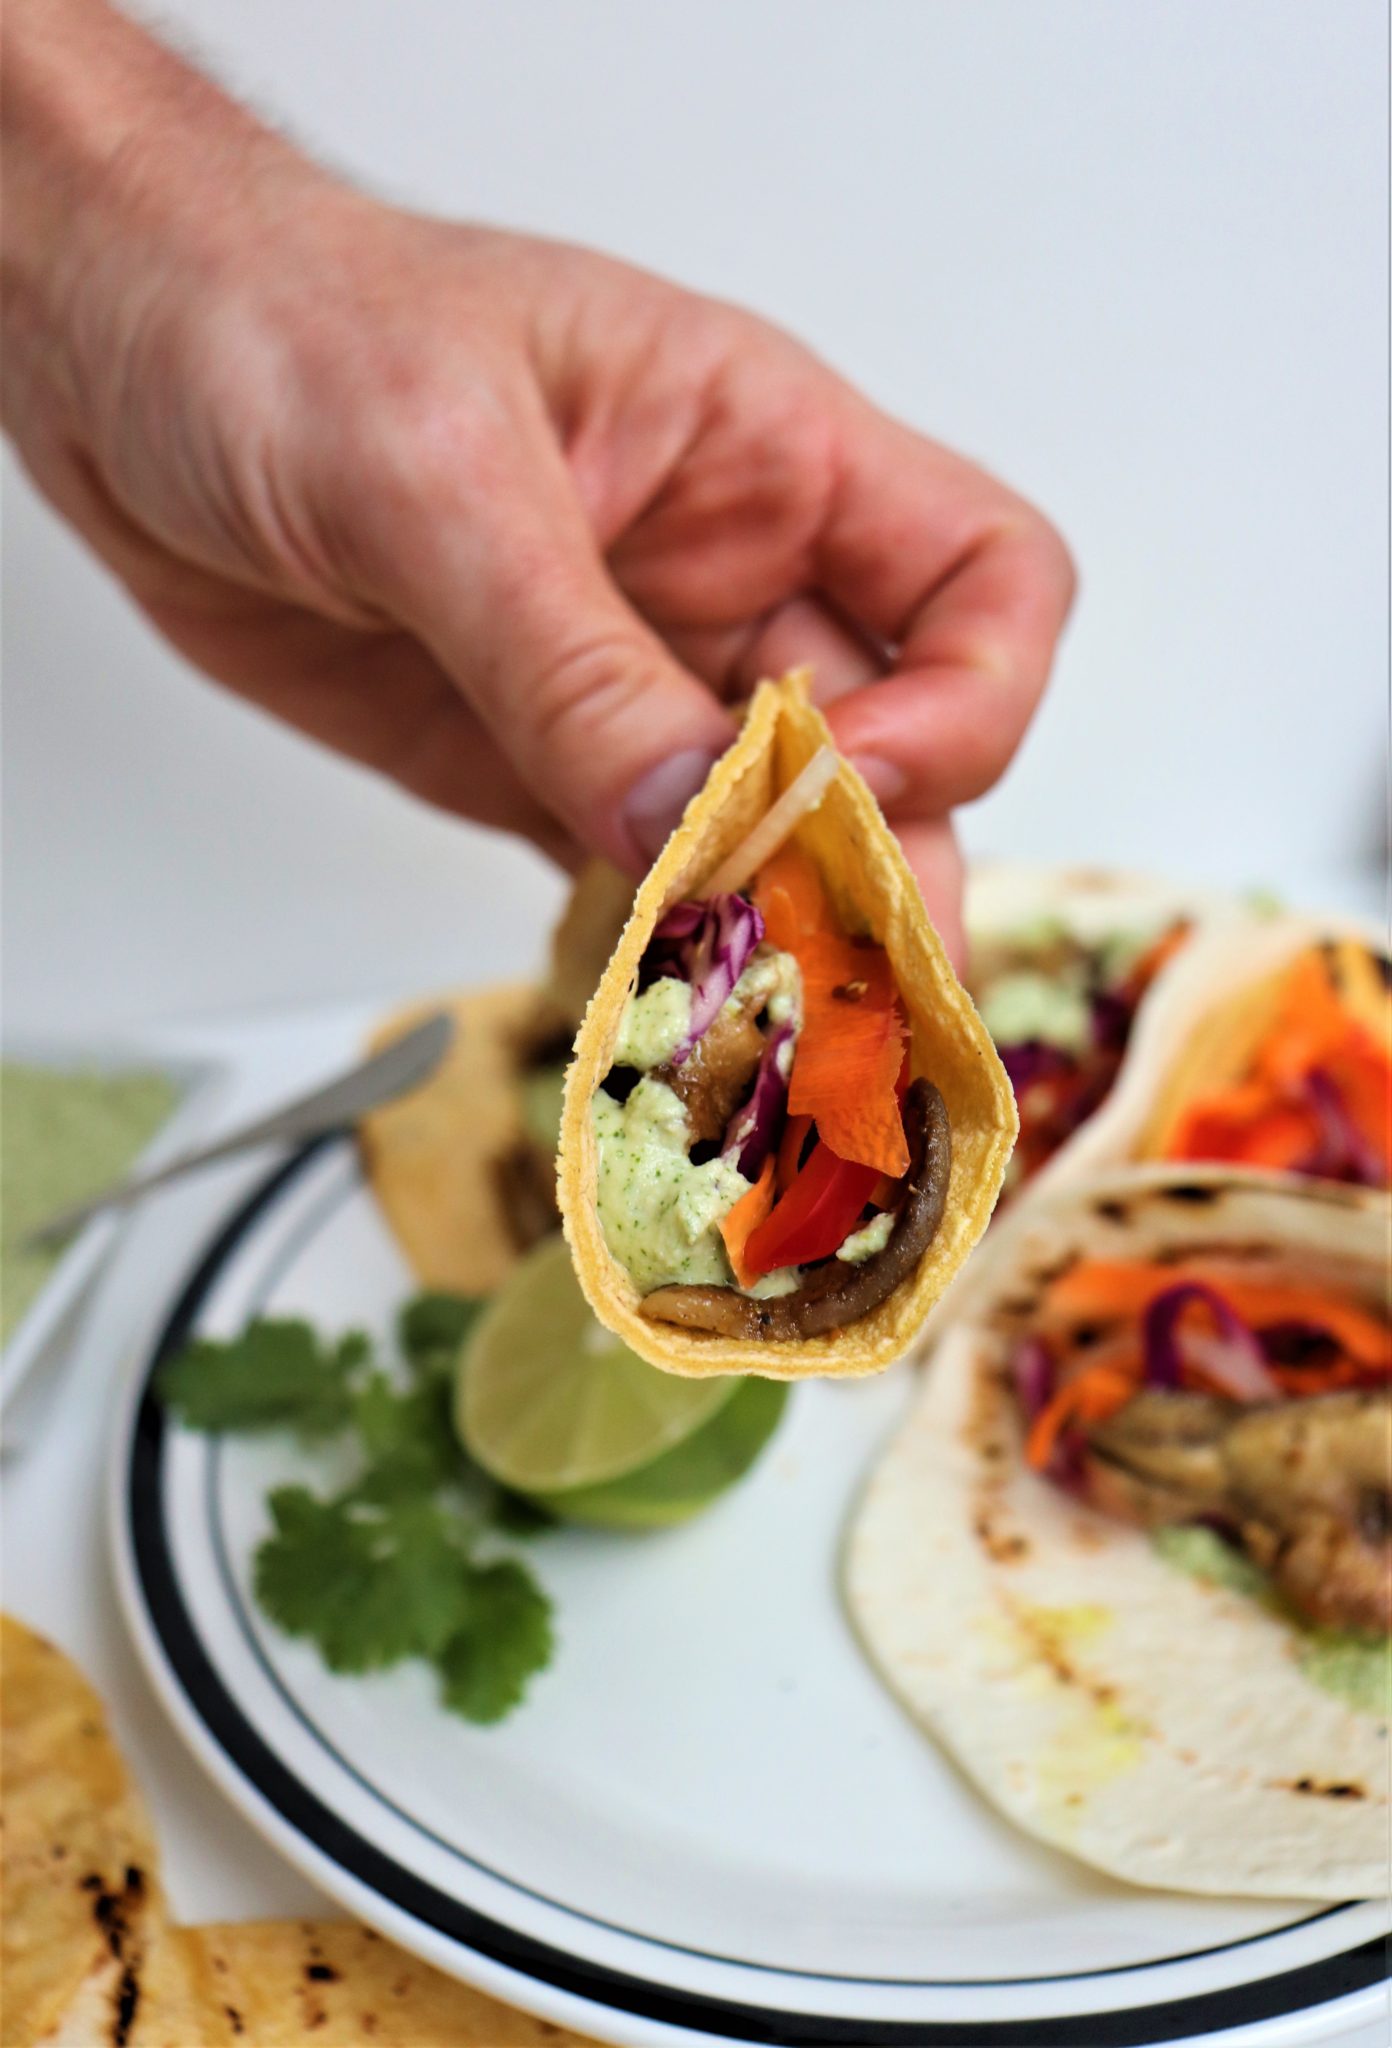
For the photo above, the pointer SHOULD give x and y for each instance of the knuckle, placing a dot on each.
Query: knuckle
(590, 689)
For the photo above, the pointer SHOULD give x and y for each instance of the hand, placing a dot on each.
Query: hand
(508, 521)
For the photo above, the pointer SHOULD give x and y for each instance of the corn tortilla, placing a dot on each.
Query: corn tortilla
(1198, 1030)
(429, 1157)
(873, 892)
(89, 1954)
(79, 1881)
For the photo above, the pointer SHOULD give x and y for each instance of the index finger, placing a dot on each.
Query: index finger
(968, 586)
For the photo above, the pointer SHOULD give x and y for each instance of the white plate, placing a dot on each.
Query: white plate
(708, 1821)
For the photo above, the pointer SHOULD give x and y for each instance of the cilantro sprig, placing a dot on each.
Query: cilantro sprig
(390, 1567)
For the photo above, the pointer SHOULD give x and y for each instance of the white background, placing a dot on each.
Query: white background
(1133, 256)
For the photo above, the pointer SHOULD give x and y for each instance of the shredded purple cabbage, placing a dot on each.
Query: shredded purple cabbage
(1342, 1152)
(707, 945)
(754, 1130)
(1160, 1338)
(1034, 1376)
(1111, 1021)
(1031, 1060)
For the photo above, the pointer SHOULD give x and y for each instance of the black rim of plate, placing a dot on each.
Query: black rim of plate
(1296, 1990)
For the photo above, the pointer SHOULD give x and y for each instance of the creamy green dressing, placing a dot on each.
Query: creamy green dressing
(65, 1133)
(871, 1237)
(1038, 984)
(660, 1214)
(782, 1280)
(654, 1023)
(1355, 1667)
(1024, 1005)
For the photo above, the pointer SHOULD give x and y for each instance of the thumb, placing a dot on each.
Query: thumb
(606, 729)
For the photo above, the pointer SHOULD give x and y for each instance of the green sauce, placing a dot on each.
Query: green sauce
(1203, 1554)
(871, 1237)
(1026, 1005)
(660, 1214)
(1354, 1667)
(653, 1025)
(64, 1134)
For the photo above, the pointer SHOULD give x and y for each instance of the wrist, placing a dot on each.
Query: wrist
(122, 167)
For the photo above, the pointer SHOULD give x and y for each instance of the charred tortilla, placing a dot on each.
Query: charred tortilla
(1159, 1726)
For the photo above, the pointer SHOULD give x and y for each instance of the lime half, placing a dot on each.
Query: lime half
(548, 1400)
(682, 1481)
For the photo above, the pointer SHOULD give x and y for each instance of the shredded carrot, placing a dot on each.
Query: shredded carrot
(1098, 1290)
(790, 895)
(851, 1047)
(1157, 955)
(737, 1225)
(1089, 1396)
(1268, 1116)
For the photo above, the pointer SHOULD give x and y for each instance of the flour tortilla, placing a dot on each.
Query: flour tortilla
(1149, 1724)
(874, 892)
(1197, 1030)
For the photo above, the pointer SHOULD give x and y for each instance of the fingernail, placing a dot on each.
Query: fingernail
(885, 780)
(655, 803)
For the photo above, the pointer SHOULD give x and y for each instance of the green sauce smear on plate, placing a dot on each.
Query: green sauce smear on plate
(66, 1132)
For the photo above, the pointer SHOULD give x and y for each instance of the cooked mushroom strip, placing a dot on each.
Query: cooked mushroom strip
(838, 1292)
(1307, 1484)
(525, 1178)
(715, 1076)
(1160, 1458)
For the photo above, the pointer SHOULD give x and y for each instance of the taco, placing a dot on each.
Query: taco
(465, 1167)
(1130, 1559)
(1062, 962)
(785, 1125)
(443, 1161)
(1269, 1045)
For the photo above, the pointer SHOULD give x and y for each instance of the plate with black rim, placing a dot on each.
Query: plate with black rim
(708, 1821)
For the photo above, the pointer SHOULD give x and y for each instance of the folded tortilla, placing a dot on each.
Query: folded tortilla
(430, 1156)
(1151, 1724)
(874, 893)
(1198, 1028)
(1009, 906)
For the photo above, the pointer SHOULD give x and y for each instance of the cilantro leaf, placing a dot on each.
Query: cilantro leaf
(276, 1375)
(506, 1638)
(370, 1582)
(383, 1570)
(430, 1330)
(408, 1437)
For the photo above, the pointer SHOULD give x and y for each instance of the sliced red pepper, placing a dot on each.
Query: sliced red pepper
(815, 1216)
(795, 1136)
